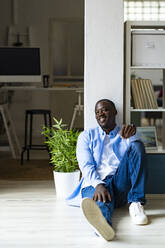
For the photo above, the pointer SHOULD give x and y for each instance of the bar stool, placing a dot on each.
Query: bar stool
(28, 130)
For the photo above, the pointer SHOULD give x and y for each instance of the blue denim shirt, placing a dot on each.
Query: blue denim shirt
(89, 152)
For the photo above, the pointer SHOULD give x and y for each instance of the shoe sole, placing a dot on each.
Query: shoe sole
(95, 217)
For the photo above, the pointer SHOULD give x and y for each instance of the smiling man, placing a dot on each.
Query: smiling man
(112, 162)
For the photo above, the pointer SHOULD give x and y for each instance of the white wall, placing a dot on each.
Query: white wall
(103, 55)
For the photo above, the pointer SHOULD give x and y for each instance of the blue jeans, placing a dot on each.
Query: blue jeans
(127, 184)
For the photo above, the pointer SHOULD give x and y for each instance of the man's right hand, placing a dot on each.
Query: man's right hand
(101, 194)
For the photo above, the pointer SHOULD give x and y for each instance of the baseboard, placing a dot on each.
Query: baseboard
(155, 196)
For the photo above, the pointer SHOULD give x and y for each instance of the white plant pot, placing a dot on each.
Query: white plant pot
(65, 183)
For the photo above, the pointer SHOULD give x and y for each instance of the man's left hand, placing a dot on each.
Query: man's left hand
(127, 131)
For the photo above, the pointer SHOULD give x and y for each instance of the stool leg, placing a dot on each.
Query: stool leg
(30, 137)
(50, 121)
(31, 130)
(50, 125)
(25, 137)
(26, 131)
(45, 120)
(46, 125)
(28, 154)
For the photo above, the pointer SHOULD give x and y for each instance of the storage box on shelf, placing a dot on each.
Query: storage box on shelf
(144, 50)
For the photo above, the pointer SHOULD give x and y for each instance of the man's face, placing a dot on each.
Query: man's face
(105, 114)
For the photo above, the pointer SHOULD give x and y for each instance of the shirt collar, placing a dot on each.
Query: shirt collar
(112, 133)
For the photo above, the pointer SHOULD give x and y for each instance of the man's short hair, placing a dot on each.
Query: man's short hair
(106, 100)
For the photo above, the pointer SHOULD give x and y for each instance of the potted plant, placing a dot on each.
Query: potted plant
(61, 143)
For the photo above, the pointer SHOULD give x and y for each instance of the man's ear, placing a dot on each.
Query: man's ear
(115, 111)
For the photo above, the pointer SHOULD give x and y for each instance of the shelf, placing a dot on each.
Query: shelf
(53, 88)
(148, 110)
(68, 78)
(146, 24)
(147, 67)
(139, 57)
(155, 151)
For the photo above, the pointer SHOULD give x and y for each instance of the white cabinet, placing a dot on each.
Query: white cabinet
(144, 52)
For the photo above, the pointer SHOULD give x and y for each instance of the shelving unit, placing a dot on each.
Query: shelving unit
(154, 27)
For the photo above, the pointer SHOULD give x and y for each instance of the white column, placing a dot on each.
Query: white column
(103, 56)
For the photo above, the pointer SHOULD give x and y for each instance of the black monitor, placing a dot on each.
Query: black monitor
(20, 64)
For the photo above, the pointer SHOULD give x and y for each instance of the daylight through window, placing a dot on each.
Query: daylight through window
(144, 10)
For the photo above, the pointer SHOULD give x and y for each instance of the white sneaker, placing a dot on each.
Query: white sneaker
(137, 213)
(95, 217)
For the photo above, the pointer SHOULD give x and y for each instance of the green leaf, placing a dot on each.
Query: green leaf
(62, 146)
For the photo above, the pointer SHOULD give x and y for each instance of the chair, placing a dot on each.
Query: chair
(28, 145)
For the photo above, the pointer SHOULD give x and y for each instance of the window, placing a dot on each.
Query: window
(141, 10)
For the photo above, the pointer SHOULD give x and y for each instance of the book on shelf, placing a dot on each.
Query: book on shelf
(141, 99)
(146, 101)
(135, 93)
(143, 94)
(152, 93)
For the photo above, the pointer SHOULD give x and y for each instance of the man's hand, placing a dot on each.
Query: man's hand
(127, 131)
(101, 194)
